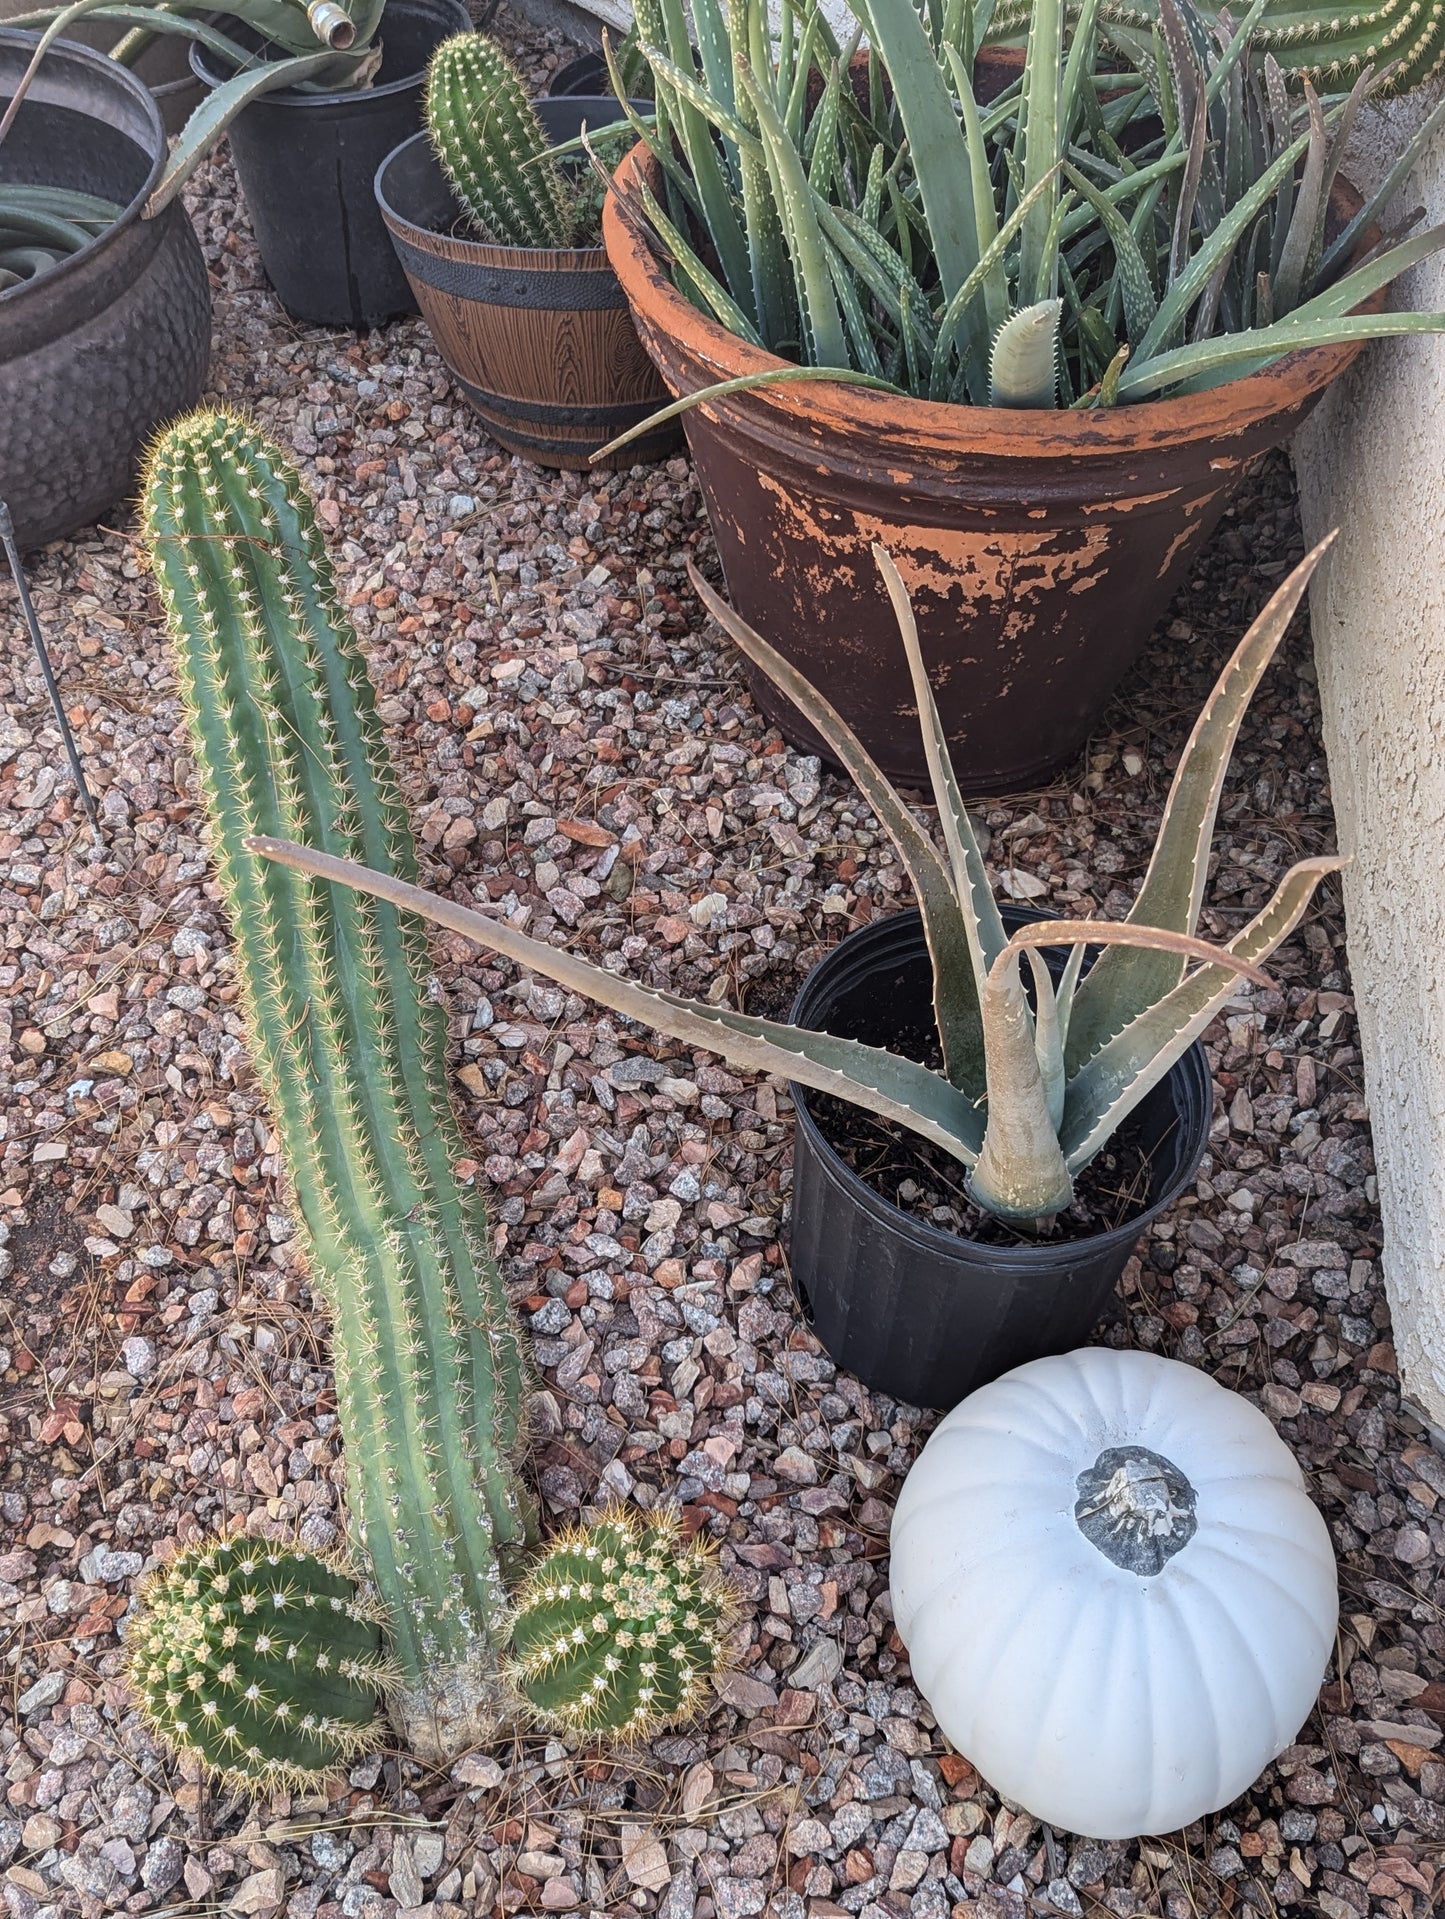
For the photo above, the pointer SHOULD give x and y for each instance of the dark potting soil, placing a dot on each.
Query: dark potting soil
(924, 1181)
(928, 1183)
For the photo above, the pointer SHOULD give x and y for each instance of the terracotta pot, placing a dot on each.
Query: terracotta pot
(539, 339)
(1040, 547)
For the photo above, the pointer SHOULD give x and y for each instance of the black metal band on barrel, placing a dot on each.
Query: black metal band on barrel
(567, 290)
(612, 419)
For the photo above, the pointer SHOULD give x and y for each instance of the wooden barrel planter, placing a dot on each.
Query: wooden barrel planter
(539, 339)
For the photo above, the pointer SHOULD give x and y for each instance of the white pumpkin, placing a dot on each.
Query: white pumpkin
(1116, 1594)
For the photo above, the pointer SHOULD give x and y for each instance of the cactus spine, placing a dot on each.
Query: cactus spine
(492, 147)
(351, 1051)
(619, 1627)
(262, 1661)
(1328, 45)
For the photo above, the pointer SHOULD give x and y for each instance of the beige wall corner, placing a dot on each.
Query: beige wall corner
(1372, 462)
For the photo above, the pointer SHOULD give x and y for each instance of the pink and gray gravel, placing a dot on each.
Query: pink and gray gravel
(578, 747)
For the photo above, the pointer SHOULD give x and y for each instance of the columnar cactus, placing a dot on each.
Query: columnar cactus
(262, 1661)
(492, 147)
(619, 1627)
(1330, 45)
(350, 1047)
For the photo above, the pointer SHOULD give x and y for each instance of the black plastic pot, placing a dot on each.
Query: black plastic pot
(586, 74)
(306, 162)
(921, 1314)
(97, 352)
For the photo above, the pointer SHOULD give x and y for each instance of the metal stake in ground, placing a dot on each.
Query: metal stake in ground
(12, 554)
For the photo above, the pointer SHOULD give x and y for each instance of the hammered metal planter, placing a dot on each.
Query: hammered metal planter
(96, 353)
(1040, 548)
(539, 339)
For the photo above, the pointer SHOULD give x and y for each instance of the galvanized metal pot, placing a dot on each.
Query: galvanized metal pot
(1040, 548)
(96, 353)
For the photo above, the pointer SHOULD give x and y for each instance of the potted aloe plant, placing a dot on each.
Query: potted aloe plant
(952, 1030)
(502, 246)
(1025, 318)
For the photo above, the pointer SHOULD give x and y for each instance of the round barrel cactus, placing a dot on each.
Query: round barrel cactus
(620, 1626)
(262, 1661)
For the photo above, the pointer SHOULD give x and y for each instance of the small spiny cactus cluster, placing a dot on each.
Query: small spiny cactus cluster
(492, 146)
(619, 1627)
(262, 1661)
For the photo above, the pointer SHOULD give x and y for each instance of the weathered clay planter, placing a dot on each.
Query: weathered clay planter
(1040, 548)
(539, 339)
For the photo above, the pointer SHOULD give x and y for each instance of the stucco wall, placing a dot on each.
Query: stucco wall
(1372, 462)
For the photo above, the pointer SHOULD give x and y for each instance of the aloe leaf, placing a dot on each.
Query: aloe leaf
(744, 383)
(764, 217)
(1040, 136)
(1344, 243)
(1020, 1173)
(670, 67)
(725, 308)
(884, 1083)
(935, 140)
(1106, 1091)
(220, 107)
(1067, 987)
(1048, 1036)
(1023, 368)
(958, 307)
(985, 213)
(1139, 300)
(986, 936)
(823, 339)
(1125, 980)
(1188, 286)
(955, 992)
(1289, 278)
(1192, 369)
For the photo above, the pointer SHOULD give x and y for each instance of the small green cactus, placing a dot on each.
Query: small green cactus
(262, 1661)
(492, 146)
(620, 1626)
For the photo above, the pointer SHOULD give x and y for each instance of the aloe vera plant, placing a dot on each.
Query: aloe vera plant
(1153, 191)
(323, 44)
(1030, 1090)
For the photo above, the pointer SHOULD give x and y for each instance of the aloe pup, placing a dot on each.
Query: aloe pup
(1028, 1093)
(350, 1047)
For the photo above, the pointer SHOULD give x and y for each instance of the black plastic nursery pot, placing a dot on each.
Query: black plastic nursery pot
(586, 74)
(306, 162)
(539, 339)
(99, 351)
(921, 1314)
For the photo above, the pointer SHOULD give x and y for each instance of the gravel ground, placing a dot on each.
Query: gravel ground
(578, 746)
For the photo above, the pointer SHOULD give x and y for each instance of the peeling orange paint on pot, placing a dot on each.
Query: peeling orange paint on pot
(1040, 548)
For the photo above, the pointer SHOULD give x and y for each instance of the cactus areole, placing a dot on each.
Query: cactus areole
(351, 1051)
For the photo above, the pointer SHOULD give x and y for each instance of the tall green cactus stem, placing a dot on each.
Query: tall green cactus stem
(492, 146)
(1328, 45)
(262, 1661)
(351, 1050)
(619, 1627)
